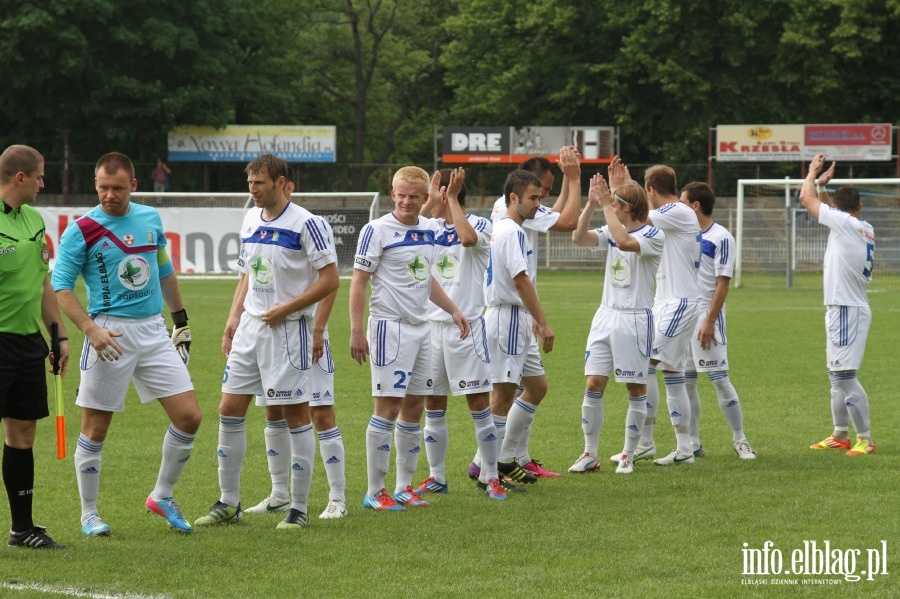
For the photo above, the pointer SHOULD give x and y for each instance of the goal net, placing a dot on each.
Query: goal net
(775, 234)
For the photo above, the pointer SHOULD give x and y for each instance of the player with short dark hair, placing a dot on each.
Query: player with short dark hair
(27, 301)
(119, 249)
(709, 346)
(847, 272)
(288, 265)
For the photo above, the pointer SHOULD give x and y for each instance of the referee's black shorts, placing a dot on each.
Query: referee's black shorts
(23, 376)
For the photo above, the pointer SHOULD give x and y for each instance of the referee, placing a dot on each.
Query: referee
(26, 300)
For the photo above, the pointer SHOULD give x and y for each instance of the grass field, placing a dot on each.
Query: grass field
(661, 532)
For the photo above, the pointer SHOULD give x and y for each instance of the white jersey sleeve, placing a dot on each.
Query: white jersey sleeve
(716, 259)
(677, 274)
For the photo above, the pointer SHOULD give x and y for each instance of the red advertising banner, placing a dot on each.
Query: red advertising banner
(848, 142)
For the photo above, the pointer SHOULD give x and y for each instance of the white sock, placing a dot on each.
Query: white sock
(500, 426)
(652, 405)
(729, 403)
(520, 417)
(88, 455)
(231, 451)
(592, 420)
(679, 410)
(379, 434)
(690, 386)
(840, 416)
(435, 433)
(176, 451)
(407, 438)
(857, 402)
(331, 446)
(486, 438)
(278, 455)
(303, 453)
(634, 422)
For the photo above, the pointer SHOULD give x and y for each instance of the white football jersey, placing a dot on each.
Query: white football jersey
(716, 259)
(849, 258)
(541, 223)
(629, 278)
(509, 256)
(400, 258)
(460, 270)
(677, 274)
(281, 257)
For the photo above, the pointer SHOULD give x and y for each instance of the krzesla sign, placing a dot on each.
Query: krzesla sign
(243, 143)
(793, 143)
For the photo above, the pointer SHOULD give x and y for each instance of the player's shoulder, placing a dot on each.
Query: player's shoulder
(479, 223)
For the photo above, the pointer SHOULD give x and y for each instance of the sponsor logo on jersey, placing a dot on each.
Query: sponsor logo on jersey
(134, 272)
(363, 262)
(447, 266)
(263, 270)
(418, 268)
(45, 253)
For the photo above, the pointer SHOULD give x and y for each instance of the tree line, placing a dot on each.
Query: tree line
(87, 76)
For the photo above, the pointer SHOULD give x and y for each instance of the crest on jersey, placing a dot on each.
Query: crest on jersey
(134, 272)
(129, 239)
(149, 237)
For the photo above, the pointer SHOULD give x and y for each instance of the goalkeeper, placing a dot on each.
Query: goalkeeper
(120, 251)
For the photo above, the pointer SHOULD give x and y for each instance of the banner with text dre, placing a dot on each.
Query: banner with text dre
(794, 143)
(511, 145)
(243, 143)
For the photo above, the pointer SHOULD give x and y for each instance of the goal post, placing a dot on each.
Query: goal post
(774, 233)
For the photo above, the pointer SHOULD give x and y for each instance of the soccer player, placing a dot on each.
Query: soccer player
(675, 307)
(514, 315)
(27, 301)
(622, 328)
(289, 264)
(562, 217)
(462, 248)
(395, 252)
(320, 410)
(849, 257)
(709, 350)
(119, 249)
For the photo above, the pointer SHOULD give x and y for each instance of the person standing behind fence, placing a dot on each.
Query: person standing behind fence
(119, 249)
(160, 176)
(28, 301)
(849, 258)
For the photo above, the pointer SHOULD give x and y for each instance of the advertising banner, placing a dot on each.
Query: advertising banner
(848, 142)
(511, 145)
(759, 143)
(243, 143)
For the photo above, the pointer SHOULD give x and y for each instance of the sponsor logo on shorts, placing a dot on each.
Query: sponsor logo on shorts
(470, 384)
(281, 393)
(363, 262)
(429, 383)
(620, 372)
(709, 363)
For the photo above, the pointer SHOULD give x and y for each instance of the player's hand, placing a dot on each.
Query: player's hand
(275, 315)
(435, 193)
(457, 178)
(545, 334)
(181, 337)
(707, 335)
(318, 347)
(815, 166)
(828, 175)
(102, 341)
(618, 173)
(598, 192)
(228, 336)
(461, 323)
(359, 346)
(570, 162)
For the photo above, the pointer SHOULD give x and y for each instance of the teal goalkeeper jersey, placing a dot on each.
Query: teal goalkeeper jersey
(23, 266)
(121, 258)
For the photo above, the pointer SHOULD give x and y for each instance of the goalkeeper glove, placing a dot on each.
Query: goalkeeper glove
(181, 335)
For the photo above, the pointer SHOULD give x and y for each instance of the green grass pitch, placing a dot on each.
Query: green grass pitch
(661, 532)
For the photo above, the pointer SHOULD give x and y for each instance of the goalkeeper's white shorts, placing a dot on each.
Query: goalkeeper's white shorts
(321, 381)
(149, 359)
(461, 366)
(271, 361)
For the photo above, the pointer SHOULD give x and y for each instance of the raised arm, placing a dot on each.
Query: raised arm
(809, 195)
(570, 207)
(583, 234)
(468, 237)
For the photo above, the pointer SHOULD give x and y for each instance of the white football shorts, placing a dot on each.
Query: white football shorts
(619, 343)
(512, 344)
(846, 330)
(149, 359)
(714, 359)
(400, 358)
(674, 321)
(461, 366)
